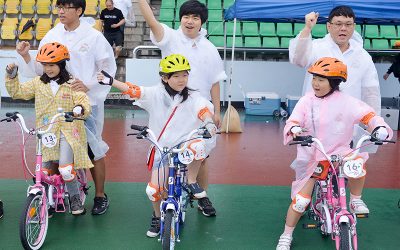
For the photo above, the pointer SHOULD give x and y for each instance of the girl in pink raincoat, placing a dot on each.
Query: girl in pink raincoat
(329, 115)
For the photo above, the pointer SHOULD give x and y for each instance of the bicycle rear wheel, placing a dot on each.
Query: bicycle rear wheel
(345, 237)
(34, 222)
(168, 234)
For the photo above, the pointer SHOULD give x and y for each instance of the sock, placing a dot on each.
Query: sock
(352, 197)
(288, 230)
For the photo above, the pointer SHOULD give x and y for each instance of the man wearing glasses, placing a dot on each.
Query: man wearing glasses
(343, 43)
(90, 53)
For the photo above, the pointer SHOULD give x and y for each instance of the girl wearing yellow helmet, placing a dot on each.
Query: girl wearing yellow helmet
(174, 111)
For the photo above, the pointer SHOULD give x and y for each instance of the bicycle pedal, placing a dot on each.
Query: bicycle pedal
(362, 216)
(310, 226)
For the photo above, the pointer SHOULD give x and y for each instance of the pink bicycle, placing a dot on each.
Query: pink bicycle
(48, 191)
(329, 205)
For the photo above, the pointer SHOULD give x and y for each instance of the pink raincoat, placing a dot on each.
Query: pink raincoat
(331, 120)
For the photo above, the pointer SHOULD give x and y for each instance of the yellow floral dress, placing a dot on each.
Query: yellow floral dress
(46, 106)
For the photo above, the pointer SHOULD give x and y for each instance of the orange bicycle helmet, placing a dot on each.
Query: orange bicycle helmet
(52, 53)
(330, 68)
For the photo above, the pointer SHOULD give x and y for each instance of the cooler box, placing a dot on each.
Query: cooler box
(391, 117)
(291, 101)
(262, 103)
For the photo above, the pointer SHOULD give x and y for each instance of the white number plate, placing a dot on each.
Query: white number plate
(186, 156)
(49, 140)
(354, 168)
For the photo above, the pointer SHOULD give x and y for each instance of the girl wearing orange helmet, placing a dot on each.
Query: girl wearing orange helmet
(329, 115)
(170, 103)
(52, 91)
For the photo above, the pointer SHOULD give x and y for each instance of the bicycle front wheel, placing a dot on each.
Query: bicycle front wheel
(34, 222)
(168, 234)
(345, 237)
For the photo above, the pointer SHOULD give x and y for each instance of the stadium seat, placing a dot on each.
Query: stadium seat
(91, 8)
(177, 24)
(53, 8)
(167, 15)
(319, 30)
(178, 4)
(1, 6)
(284, 29)
(43, 7)
(56, 21)
(215, 28)
(28, 34)
(250, 29)
(102, 5)
(228, 3)
(238, 41)
(229, 29)
(27, 6)
(388, 31)
(367, 44)
(252, 42)
(215, 15)
(267, 29)
(167, 4)
(214, 5)
(285, 42)
(393, 41)
(218, 41)
(9, 28)
(298, 27)
(371, 31)
(12, 6)
(43, 25)
(98, 25)
(358, 29)
(380, 44)
(271, 42)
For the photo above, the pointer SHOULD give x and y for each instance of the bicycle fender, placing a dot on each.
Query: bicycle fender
(344, 219)
(33, 190)
(170, 206)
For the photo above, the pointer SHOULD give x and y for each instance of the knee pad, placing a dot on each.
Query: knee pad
(153, 192)
(67, 172)
(300, 203)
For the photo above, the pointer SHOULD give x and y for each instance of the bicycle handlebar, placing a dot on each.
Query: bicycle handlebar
(69, 117)
(308, 140)
(145, 132)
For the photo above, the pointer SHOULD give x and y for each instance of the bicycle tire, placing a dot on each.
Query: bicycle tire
(168, 234)
(32, 211)
(345, 237)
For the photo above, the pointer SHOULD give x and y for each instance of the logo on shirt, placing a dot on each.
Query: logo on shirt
(84, 48)
(75, 132)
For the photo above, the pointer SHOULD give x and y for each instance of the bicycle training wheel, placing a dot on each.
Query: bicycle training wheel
(34, 222)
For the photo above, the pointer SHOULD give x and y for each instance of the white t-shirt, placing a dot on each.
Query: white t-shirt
(123, 5)
(205, 62)
(362, 77)
(89, 53)
(159, 104)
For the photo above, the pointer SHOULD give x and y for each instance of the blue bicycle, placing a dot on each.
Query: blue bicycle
(173, 208)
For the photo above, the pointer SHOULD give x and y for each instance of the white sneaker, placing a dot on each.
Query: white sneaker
(358, 206)
(284, 242)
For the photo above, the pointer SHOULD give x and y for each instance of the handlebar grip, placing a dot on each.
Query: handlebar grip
(138, 128)
(11, 114)
(302, 138)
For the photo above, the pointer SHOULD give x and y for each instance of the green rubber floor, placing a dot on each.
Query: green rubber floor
(248, 217)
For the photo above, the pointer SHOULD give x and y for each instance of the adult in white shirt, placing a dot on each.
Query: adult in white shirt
(89, 52)
(344, 43)
(126, 7)
(206, 65)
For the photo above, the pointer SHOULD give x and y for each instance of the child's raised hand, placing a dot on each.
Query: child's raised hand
(12, 70)
(23, 48)
(104, 78)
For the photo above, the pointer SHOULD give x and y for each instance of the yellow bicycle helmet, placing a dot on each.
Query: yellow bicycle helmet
(174, 63)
